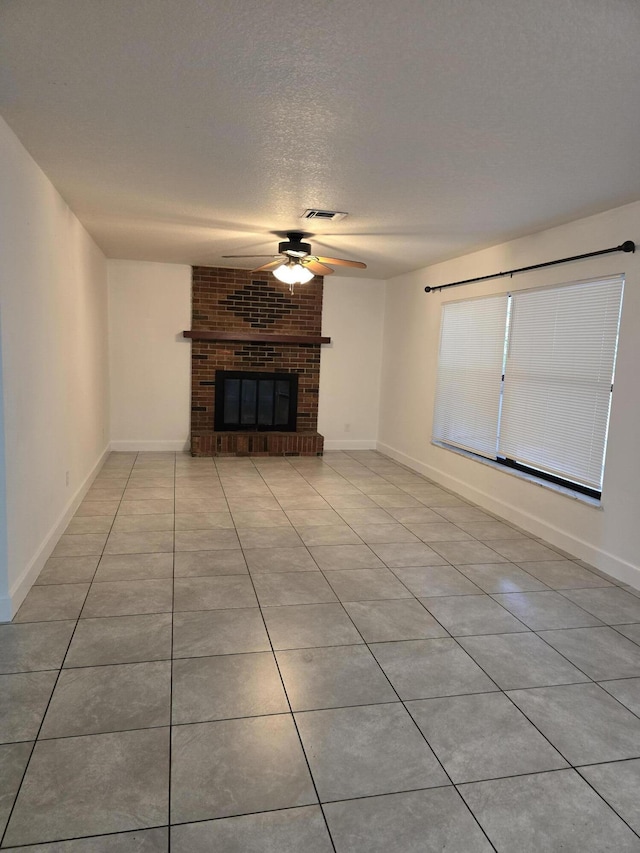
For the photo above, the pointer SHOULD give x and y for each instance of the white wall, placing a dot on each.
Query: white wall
(54, 354)
(352, 316)
(150, 361)
(607, 537)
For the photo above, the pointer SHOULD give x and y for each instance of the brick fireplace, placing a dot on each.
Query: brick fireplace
(244, 321)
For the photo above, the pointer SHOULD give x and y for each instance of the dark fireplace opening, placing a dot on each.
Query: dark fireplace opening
(255, 401)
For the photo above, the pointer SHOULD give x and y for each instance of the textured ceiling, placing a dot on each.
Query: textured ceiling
(182, 130)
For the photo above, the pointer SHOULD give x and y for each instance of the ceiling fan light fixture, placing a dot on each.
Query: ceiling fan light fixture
(292, 273)
(304, 275)
(284, 273)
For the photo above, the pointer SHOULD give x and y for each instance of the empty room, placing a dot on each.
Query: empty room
(319, 466)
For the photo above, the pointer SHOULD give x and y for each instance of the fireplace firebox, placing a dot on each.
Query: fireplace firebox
(255, 401)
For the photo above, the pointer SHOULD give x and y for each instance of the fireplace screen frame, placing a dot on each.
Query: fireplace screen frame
(222, 424)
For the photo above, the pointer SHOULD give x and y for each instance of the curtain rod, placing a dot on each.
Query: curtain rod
(627, 246)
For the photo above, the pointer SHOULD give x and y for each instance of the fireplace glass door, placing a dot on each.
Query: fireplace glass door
(255, 401)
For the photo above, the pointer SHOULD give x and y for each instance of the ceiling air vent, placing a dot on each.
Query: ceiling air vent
(327, 215)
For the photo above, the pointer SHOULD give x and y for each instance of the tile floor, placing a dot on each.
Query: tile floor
(290, 655)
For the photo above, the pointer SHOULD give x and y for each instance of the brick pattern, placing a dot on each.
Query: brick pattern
(236, 300)
(233, 300)
(257, 444)
(253, 356)
(259, 305)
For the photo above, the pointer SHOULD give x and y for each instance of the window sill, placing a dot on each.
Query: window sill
(521, 475)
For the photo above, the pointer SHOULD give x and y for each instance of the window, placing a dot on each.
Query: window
(470, 374)
(526, 379)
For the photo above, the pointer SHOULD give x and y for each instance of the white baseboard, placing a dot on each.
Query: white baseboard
(178, 445)
(18, 591)
(356, 444)
(403, 459)
(597, 557)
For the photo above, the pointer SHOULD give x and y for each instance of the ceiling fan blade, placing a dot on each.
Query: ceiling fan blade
(269, 266)
(250, 256)
(316, 267)
(341, 262)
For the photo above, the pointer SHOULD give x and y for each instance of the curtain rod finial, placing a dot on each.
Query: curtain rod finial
(628, 246)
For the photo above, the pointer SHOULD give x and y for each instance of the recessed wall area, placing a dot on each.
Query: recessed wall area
(254, 314)
(150, 359)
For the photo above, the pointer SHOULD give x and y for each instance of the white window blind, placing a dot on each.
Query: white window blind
(472, 338)
(559, 371)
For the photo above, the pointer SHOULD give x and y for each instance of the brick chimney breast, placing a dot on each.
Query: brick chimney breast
(230, 300)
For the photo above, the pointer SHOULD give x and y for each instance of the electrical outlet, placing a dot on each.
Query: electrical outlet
(67, 478)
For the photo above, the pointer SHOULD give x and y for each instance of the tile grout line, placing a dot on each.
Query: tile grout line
(66, 841)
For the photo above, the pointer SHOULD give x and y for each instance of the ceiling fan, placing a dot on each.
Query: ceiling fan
(295, 264)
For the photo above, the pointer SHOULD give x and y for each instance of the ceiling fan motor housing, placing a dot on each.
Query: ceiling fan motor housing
(294, 245)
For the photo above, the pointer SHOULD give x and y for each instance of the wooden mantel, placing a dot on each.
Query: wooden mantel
(255, 337)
